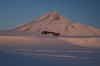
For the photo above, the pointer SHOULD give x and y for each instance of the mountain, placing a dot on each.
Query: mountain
(57, 23)
(25, 46)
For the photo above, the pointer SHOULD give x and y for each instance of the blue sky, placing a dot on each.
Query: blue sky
(16, 12)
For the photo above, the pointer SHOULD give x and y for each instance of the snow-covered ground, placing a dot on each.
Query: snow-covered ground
(77, 45)
(19, 48)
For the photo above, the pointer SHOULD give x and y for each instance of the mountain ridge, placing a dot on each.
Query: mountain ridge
(54, 22)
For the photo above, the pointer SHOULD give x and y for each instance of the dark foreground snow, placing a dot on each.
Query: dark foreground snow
(27, 49)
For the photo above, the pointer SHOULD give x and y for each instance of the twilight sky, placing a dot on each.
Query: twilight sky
(16, 12)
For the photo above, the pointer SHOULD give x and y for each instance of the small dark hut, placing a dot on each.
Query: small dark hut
(47, 32)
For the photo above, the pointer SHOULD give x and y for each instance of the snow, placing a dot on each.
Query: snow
(86, 42)
(35, 49)
(24, 45)
(59, 24)
(19, 38)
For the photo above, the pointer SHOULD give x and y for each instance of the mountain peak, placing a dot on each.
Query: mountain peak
(57, 23)
(53, 12)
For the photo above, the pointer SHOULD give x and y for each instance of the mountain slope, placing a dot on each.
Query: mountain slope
(59, 24)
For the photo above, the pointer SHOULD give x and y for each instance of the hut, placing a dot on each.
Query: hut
(48, 32)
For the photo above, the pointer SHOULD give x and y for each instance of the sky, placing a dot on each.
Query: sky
(16, 12)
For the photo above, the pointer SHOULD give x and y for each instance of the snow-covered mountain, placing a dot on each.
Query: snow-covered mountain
(25, 46)
(57, 23)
